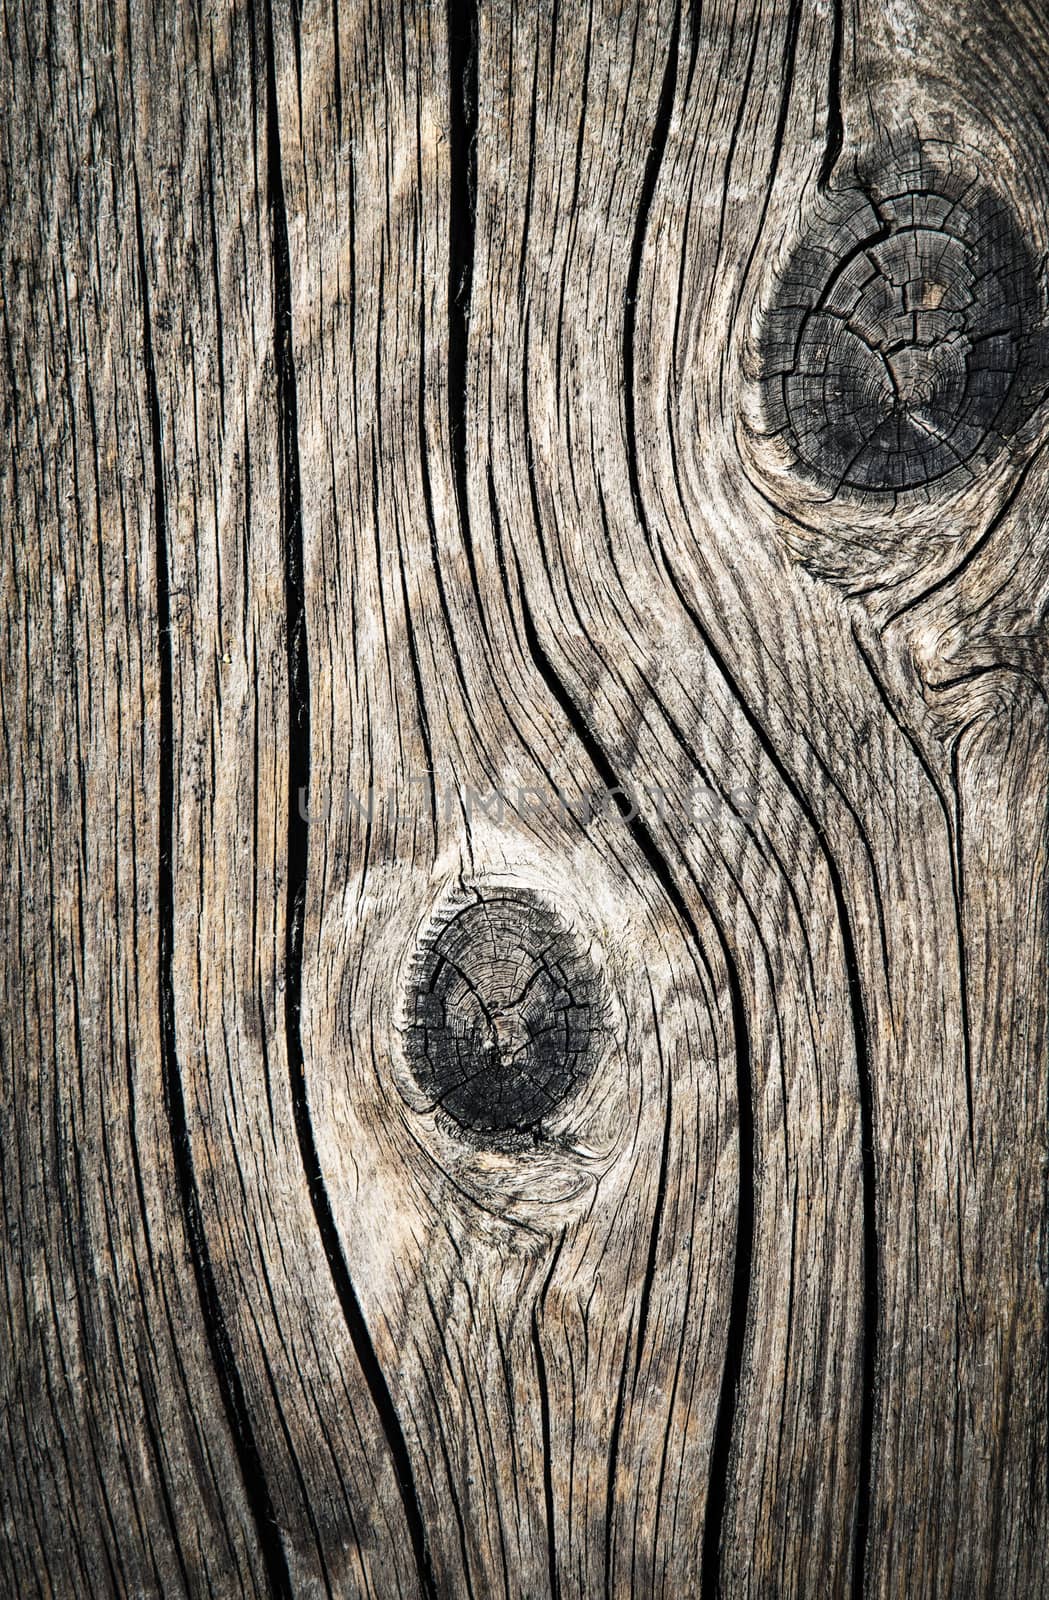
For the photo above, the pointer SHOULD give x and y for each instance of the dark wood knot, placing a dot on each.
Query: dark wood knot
(904, 343)
(503, 1010)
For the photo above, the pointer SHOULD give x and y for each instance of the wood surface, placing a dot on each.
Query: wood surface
(523, 1051)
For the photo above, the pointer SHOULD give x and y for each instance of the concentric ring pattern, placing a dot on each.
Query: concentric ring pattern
(502, 1013)
(905, 342)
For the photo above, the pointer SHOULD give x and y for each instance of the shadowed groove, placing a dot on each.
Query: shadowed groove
(297, 837)
(865, 1088)
(231, 1388)
(735, 1336)
(463, 45)
(835, 122)
(660, 134)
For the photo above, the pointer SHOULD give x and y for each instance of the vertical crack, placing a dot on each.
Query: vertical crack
(736, 1330)
(865, 1086)
(660, 133)
(231, 1389)
(298, 667)
(462, 223)
(870, 1258)
(742, 1270)
(835, 137)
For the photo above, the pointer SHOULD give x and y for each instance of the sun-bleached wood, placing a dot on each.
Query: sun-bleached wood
(396, 520)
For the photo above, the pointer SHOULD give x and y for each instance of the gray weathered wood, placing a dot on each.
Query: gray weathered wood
(426, 1171)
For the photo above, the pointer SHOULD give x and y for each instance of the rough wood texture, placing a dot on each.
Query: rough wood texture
(525, 764)
(905, 344)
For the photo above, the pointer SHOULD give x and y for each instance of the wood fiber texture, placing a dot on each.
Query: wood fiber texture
(523, 1050)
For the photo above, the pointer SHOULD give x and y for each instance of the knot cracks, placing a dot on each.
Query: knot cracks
(901, 344)
(503, 1010)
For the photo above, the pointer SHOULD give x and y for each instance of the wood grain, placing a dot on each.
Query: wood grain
(525, 769)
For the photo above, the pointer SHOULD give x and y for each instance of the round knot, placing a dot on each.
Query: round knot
(502, 1013)
(905, 342)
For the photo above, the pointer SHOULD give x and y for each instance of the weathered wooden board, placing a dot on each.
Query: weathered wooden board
(525, 579)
